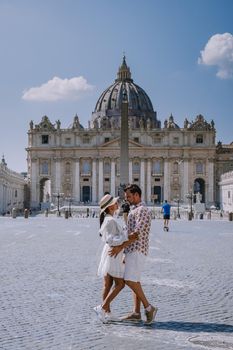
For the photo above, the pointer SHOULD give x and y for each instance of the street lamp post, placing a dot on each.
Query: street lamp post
(191, 196)
(69, 199)
(58, 195)
(178, 208)
(177, 200)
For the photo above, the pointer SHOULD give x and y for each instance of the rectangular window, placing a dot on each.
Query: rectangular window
(157, 140)
(44, 168)
(136, 139)
(44, 139)
(68, 141)
(106, 139)
(199, 139)
(199, 168)
(175, 140)
(86, 140)
(156, 167)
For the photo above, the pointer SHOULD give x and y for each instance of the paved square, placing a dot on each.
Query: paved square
(49, 287)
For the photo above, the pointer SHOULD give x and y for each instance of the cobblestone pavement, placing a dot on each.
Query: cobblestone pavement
(48, 287)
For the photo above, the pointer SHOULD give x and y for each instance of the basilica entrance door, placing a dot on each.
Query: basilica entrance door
(86, 194)
(157, 194)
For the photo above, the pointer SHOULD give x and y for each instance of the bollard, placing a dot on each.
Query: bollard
(66, 214)
(209, 215)
(230, 216)
(26, 212)
(46, 213)
(189, 216)
(13, 214)
(201, 216)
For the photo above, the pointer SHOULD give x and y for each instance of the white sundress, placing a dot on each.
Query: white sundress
(112, 235)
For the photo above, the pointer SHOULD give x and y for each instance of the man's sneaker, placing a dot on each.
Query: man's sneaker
(100, 313)
(150, 315)
(132, 317)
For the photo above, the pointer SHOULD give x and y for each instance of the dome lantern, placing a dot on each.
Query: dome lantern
(124, 73)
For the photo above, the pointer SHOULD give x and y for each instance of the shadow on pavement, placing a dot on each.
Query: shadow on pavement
(195, 327)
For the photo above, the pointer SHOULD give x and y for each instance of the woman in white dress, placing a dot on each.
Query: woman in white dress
(111, 268)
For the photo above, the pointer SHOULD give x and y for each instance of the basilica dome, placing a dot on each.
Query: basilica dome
(108, 107)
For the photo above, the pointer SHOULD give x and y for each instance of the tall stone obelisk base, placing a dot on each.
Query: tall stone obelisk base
(124, 144)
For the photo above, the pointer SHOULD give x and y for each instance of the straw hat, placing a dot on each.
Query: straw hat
(107, 201)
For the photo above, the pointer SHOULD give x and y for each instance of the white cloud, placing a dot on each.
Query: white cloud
(219, 52)
(58, 89)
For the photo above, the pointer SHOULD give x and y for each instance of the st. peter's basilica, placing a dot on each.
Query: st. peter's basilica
(166, 160)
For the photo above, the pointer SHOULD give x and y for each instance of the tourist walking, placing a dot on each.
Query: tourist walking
(166, 208)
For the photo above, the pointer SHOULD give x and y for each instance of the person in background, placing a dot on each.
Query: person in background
(166, 209)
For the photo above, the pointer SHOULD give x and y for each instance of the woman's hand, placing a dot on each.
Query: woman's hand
(133, 236)
(114, 251)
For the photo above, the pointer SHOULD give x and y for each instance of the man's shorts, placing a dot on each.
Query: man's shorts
(166, 217)
(134, 263)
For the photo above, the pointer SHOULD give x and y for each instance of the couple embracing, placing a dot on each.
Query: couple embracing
(124, 254)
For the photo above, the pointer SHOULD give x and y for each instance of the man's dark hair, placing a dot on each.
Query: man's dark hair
(133, 188)
(125, 207)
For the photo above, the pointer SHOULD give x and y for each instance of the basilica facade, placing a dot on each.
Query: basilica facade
(167, 161)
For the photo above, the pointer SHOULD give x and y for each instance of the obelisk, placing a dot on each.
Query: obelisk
(124, 144)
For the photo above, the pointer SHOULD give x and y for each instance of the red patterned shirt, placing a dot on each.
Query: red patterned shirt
(139, 220)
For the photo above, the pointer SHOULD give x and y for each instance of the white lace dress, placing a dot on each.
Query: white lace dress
(112, 235)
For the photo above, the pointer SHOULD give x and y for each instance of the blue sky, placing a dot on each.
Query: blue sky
(57, 56)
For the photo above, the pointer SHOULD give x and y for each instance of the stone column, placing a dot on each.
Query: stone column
(166, 190)
(148, 188)
(2, 199)
(113, 177)
(57, 176)
(34, 169)
(130, 171)
(185, 180)
(94, 193)
(142, 178)
(77, 180)
(100, 184)
(210, 194)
